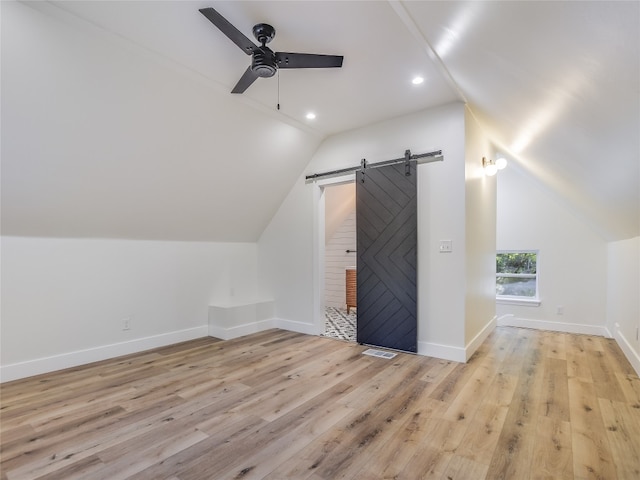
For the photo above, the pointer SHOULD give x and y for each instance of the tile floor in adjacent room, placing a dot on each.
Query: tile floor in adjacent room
(340, 324)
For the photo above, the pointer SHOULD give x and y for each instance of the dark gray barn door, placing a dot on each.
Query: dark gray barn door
(386, 223)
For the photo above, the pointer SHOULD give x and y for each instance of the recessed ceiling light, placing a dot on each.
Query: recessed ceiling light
(417, 80)
(311, 116)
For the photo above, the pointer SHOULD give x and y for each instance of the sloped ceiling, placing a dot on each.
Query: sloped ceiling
(117, 119)
(558, 86)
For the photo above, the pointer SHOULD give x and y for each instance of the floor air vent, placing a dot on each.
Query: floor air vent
(379, 353)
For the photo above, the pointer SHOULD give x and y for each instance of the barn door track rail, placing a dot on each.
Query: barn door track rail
(419, 158)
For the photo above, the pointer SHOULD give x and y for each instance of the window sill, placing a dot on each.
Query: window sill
(525, 302)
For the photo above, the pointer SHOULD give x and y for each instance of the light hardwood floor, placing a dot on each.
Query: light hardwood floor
(281, 405)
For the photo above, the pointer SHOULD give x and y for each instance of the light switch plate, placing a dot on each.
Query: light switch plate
(446, 246)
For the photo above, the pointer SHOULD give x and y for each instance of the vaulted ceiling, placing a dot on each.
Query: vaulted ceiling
(117, 119)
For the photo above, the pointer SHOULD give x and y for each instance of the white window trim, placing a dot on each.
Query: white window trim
(517, 275)
(521, 301)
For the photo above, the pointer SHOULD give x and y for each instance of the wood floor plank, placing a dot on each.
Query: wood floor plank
(334, 454)
(80, 469)
(591, 451)
(604, 380)
(282, 405)
(466, 402)
(513, 455)
(555, 393)
(555, 345)
(304, 383)
(482, 435)
(453, 383)
(39, 442)
(616, 357)
(622, 425)
(375, 420)
(552, 454)
(265, 460)
(630, 385)
(228, 428)
(118, 465)
(223, 459)
(578, 363)
(462, 467)
(381, 429)
(486, 424)
(391, 458)
(432, 456)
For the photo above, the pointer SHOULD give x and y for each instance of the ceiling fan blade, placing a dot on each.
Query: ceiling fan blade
(307, 60)
(248, 77)
(235, 35)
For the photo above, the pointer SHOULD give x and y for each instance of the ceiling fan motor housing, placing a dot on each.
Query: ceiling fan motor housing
(264, 33)
(263, 62)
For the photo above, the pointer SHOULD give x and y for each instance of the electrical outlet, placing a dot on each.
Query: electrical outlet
(126, 324)
(560, 310)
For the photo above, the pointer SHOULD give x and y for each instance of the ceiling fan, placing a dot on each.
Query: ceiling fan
(265, 62)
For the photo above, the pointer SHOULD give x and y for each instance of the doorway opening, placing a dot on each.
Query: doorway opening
(340, 314)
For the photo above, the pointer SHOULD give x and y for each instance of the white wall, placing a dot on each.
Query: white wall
(572, 263)
(99, 133)
(340, 202)
(285, 259)
(480, 236)
(64, 300)
(623, 296)
(337, 260)
(288, 249)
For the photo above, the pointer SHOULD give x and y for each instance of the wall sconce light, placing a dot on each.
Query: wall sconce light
(491, 167)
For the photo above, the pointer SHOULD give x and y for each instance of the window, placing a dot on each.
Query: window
(517, 277)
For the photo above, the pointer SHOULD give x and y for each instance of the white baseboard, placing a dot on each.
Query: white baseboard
(82, 357)
(294, 326)
(628, 350)
(259, 326)
(241, 330)
(233, 320)
(445, 352)
(513, 321)
(457, 354)
(474, 344)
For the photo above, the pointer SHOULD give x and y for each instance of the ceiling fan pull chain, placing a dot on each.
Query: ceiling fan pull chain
(278, 89)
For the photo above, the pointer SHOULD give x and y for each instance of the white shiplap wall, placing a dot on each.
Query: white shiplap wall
(337, 260)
